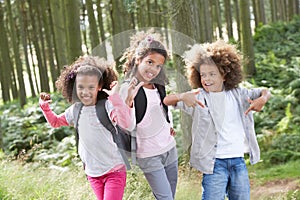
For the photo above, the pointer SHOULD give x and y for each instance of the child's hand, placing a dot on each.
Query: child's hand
(133, 88)
(189, 98)
(44, 101)
(172, 132)
(256, 104)
(45, 97)
(114, 88)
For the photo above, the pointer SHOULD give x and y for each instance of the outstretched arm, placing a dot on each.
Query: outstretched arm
(122, 114)
(258, 104)
(189, 98)
(53, 119)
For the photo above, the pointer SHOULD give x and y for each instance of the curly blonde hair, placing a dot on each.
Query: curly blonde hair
(221, 54)
(141, 45)
(86, 65)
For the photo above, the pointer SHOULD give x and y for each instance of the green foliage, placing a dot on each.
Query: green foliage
(282, 38)
(277, 57)
(283, 148)
(27, 135)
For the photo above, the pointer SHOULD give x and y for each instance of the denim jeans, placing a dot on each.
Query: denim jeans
(230, 177)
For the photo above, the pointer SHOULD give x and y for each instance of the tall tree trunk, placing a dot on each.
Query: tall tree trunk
(73, 29)
(44, 82)
(84, 28)
(291, 9)
(237, 17)
(5, 76)
(32, 55)
(181, 21)
(218, 17)
(261, 11)
(102, 31)
(94, 36)
(297, 7)
(49, 43)
(23, 31)
(228, 17)
(247, 42)
(121, 22)
(59, 33)
(14, 38)
(255, 12)
(195, 10)
(208, 21)
(273, 10)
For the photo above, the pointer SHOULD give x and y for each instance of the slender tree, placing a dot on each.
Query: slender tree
(94, 35)
(35, 36)
(121, 22)
(5, 58)
(45, 10)
(59, 35)
(228, 18)
(181, 21)
(218, 17)
(14, 38)
(84, 28)
(101, 27)
(23, 34)
(261, 11)
(237, 17)
(247, 41)
(73, 29)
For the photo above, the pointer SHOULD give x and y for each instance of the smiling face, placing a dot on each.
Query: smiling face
(87, 87)
(149, 67)
(211, 78)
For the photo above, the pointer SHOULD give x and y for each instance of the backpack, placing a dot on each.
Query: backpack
(125, 141)
(140, 103)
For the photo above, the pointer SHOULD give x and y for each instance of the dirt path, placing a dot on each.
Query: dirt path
(276, 190)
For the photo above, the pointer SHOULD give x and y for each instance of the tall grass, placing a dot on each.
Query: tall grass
(33, 182)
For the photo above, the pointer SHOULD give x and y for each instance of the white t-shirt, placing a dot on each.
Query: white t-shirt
(227, 119)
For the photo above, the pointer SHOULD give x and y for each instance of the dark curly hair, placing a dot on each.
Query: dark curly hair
(86, 65)
(141, 45)
(225, 56)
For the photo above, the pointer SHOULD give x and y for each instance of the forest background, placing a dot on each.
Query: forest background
(38, 38)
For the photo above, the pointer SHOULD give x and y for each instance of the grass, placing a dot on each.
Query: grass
(264, 174)
(29, 182)
(278, 182)
(34, 182)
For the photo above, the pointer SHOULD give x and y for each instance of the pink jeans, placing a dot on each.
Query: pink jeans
(109, 186)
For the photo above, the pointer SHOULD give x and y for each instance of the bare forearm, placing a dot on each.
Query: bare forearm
(172, 99)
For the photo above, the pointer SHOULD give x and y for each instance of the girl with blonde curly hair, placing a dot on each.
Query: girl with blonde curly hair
(223, 125)
(85, 82)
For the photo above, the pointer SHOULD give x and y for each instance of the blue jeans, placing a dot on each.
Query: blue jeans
(230, 177)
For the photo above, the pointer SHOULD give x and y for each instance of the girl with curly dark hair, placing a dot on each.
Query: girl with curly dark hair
(144, 91)
(223, 125)
(86, 81)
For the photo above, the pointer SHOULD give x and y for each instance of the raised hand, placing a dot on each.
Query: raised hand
(44, 100)
(114, 88)
(45, 97)
(133, 88)
(256, 104)
(189, 98)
